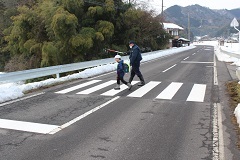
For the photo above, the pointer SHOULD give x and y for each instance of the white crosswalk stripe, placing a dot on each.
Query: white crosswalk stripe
(197, 93)
(98, 87)
(113, 92)
(170, 91)
(144, 89)
(77, 87)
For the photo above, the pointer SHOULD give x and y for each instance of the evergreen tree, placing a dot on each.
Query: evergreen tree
(52, 32)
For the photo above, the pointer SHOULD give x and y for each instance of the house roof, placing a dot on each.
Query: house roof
(183, 39)
(171, 26)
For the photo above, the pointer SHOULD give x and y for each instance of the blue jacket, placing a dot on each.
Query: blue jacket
(135, 55)
(120, 69)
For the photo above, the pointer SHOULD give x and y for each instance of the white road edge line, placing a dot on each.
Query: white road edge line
(215, 71)
(82, 116)
(215, 149)
(220, 130)
(169, 68)
(21, 99)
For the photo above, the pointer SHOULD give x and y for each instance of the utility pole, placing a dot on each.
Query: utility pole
(188, 27)
(162, 10)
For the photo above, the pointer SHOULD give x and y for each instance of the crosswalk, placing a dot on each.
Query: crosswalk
(197, 93)
(114, 92)
(98, 87)
(169, 91)
(144, 89)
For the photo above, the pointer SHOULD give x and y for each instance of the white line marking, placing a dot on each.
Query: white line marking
(220, 130)
(215, 139)
(186, 58)
(102, 75)
(113, 92)
(196, 62)
(27, 126)
(6, 103)
(169, 68)
(144, 90)
(193, 53)
(98, 87)
(170, 91)
(215, 71)
(82, 116)
(77, 87)
(197, 93)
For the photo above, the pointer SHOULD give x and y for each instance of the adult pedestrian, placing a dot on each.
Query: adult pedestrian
(135, 58)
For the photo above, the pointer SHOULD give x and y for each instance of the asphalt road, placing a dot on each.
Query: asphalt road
(170, 118)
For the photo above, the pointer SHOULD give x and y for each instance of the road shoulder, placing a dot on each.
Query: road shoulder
(226, 73)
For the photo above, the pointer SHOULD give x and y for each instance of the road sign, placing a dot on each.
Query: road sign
(234, 23)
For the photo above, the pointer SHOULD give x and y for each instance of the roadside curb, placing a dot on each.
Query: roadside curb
(227, 147)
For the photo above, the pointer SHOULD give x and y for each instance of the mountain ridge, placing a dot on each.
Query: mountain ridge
(203, 20)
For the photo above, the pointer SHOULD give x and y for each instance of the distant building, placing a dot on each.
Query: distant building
(172, 29)
(205, 38)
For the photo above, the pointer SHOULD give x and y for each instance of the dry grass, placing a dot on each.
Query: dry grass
(233, 89)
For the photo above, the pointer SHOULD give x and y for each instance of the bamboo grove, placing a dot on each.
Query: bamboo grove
(41, 33)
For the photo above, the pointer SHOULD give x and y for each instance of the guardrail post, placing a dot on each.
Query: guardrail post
(57, 75)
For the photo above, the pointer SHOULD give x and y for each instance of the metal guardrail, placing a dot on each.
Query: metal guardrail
(56, 70)
(236, 56)
(46, 71)
(230, 54)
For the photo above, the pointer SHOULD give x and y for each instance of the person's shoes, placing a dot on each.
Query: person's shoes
(117, 87)
(142, 83)
(129, 86)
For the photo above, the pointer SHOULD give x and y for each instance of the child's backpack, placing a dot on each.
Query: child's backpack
(126, 67)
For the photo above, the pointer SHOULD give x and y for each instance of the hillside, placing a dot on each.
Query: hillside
(235, 12)
(203, 21)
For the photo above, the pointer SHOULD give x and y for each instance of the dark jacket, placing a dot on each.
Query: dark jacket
(135, 55)
(120, 69)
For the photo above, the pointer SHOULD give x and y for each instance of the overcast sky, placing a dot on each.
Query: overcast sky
(212, 4)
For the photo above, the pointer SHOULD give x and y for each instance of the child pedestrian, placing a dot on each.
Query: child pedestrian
(121, 73)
